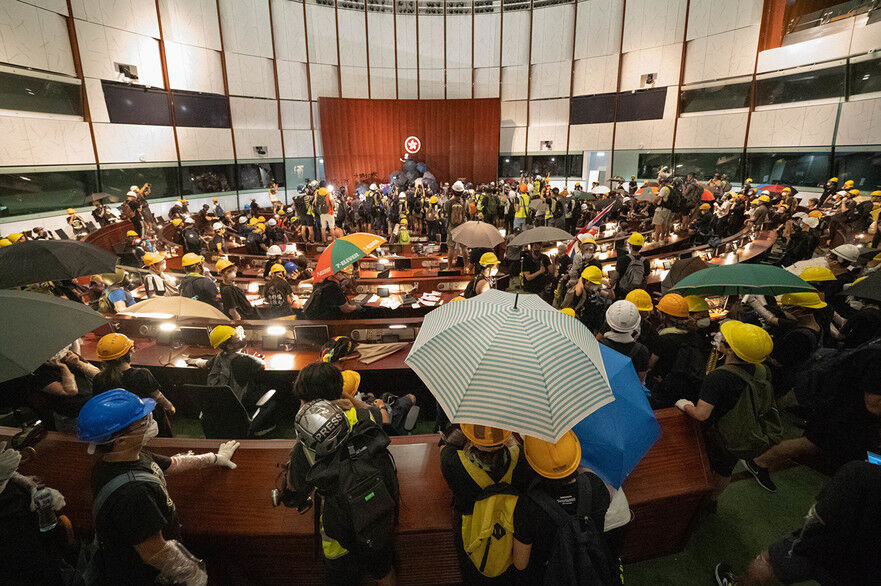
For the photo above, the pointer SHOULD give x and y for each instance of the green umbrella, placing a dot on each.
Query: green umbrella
(584, 195)
(36, 326)
(741, 279)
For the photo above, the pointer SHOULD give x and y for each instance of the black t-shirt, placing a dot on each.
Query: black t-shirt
(25, 558)
(200, 288)
(234, 298)
(861, 327)
(218, 243)
(722, 390)
(532, 264)
(325, 302)
(794, 345)
(131, 514)
(139, 381)
(253, 242)
(532, 526)
(67, 405)
(637, 352)
(277, 291)
(465, 490)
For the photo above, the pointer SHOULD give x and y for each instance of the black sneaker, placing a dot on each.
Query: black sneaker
(762, 476)
(725, 575)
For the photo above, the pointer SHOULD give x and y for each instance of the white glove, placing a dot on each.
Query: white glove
(681, 403)
(58, 501)
(225, 453)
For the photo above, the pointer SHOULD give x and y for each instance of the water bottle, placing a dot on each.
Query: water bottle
(45, 511)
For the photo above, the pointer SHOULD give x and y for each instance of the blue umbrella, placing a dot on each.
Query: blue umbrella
(615, 437)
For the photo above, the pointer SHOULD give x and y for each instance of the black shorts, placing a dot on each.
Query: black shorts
(790, 568)
(349, 569)
(722, 462)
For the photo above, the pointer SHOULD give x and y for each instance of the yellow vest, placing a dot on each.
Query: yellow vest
(524, 205)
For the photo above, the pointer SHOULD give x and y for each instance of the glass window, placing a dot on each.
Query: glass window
(511, 166)
(808, 169)
(592, 109)
(49, 191)
(320, 169)
(574, 165)
(164, 181)
(650, 164)
(34, 94)
(198, 179)
(865, 77)
(136, 104)
(544, 165)
(260, 175)
(704, 165)
(299, 171)
(720, 97)
(201, 110)
(800, 87)
(863, 167)
(642, 104)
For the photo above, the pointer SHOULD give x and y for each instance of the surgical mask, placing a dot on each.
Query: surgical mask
(703, 322)
(494, 271)
(719, 341)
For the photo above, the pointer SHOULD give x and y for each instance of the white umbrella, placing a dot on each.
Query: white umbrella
(797, 267)
(601, 189)
(176, 307)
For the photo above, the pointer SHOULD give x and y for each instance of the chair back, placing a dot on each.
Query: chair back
(221, 413)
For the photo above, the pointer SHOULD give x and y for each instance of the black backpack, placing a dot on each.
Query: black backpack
(675, 201)
(827, 380)
(358, 484)
(579, 556)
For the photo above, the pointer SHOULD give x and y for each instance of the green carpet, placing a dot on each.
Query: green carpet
(748, 520)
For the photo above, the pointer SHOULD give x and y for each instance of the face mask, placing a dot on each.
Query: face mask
(719, 341)
(151, 432)
(494, 271)
(703, 322)
(855, 304)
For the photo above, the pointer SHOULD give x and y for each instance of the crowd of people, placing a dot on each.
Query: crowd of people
(747, 368)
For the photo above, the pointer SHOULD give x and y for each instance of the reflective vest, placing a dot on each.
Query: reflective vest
(524, 205)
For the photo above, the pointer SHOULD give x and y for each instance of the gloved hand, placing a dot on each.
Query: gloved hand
(9, 460)
(681, 403)
(58, 501)
(225, 453)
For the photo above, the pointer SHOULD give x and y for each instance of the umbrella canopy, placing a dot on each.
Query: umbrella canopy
(345, 251)
(681, 269)
(615, 437)
(510, 361)
(771, 187)
(868, 288)
(474, 234)
(97, 196)
(797, 267)
(707, 195)
(57, 321)
(176, 307)
(647, 193)
(740, 279)
(584, 195)
(540, 234)
(601, 189)
(36, 261)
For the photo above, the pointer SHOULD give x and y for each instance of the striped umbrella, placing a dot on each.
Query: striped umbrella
(345, 251)
(510, 361)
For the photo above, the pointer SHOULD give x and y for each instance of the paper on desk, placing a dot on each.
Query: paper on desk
(390, 303)
(373, 299)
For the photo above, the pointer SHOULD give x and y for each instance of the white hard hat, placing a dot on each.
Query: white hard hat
(810, 222)
(217, 226)
(131, 193)
(623, 316)
(134, 187)
(457, 186)
(189, 220)
(271, 222)
(373, 187)
(242, 219)
(313, 183)
(798, 215)
(273, 250)
(849, 252)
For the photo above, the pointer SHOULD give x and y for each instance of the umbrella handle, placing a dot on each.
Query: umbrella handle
(516, 298)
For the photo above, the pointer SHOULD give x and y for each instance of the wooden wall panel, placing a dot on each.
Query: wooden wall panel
(460, 138)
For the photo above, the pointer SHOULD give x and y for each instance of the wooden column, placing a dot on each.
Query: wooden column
(78, 68)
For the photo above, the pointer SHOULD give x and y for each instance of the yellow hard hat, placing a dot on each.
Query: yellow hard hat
(588, 240)
(403, 221)
(457, 298)
(15, 237)
(592, 274)
(276, 268)
(568, 311)
(177, 222)
(181, 200)
(816, 274)
(260, 226)
(261, 219)
(748, 342)
(696, 303)
(131, 233)
(835, 179)
(636, 239)
(5, 242)
(253, 221)
(749, 179)
(764, 198)
(214, 199)
(221, 334)
(432, 199)
(816, 214)
(641, 299)
(114, 278)
(787, 190)
(854, 192)
(673, 304)
(876, 193)
(848, 183)
(71, 211)
(351, 382)
(223, 264)
(113, 346)
(553, 460)
(485, 436)
(151, 258)
(809, 299)
(191, 258)
(754, 202)
(705, 206)
(322, 191)
(488, 258)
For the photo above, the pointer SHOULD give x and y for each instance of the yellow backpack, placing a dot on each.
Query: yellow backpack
(488, 532)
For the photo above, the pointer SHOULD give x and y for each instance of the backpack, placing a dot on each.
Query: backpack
(358, 484)
(578, 556)
(104, 305)
(491, 205)
(822, 382)
(634, 274)
(488, 530)
(457, 214)
(753, 424)
(675, 201)
(322, 205)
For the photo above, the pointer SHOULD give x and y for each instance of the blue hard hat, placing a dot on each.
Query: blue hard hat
(290, 267)
(247, 207)
(110, 412)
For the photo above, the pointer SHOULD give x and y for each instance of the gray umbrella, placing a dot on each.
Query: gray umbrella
(36, 326)
(475, 234)
(540, 234)
(37, 261)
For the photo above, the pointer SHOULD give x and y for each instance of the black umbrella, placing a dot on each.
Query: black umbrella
(681, 269)
(36, 261)
(868, 288)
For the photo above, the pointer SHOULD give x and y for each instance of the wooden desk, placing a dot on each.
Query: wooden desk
(228, 517)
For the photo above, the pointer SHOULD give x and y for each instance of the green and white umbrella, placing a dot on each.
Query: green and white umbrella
(510, 361)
